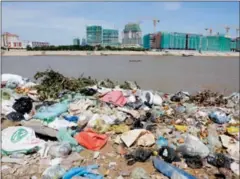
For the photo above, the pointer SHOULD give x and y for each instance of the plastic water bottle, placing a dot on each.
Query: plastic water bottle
(171, 171)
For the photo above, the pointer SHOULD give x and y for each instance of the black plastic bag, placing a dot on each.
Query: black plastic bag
(219, 160)
(168, 154)
(140, 155)
(194, 162)
(23, 105)
(15, 116)
(137, 124)
(88, 91)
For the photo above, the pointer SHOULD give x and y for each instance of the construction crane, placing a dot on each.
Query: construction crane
(155, 22)
(210, 31)
(227, 28)
(237, 32)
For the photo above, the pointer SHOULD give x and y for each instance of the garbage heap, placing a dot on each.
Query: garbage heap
(67, 128)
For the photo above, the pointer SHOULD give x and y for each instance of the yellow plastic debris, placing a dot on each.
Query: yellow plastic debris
(155, 153)
(181, 128)
(118, 129)
(232, 130)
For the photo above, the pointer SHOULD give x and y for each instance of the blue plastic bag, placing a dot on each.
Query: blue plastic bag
(52, 111)
(161, 142)
(219, 117)
(71, 118)
(84, 172)
(169, 170)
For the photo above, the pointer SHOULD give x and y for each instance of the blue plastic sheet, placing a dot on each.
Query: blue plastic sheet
(84, 172)
(169, 170)
(52, 111)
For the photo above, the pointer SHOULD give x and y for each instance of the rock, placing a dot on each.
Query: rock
(120, 177)
(235, 168)
(13, 160)
(125, 173)
(146, 140)
(34, 177)
(112, 165)
(96, 155)
(139, 173)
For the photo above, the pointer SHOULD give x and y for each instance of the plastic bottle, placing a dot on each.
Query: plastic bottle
(171, 171)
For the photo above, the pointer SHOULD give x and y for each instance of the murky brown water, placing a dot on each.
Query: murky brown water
(168, 74)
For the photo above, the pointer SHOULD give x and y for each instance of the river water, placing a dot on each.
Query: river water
(165, 73)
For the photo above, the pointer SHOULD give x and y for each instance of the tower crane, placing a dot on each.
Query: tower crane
(227, 28)
(155, 22)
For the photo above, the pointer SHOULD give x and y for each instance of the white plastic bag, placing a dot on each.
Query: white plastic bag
(13, 78)
(193, 147)
(19, 139)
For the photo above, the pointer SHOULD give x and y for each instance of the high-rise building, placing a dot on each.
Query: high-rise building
(132, 35)
(83, 42)
(110, 37)
(94, 35)
(76, 41)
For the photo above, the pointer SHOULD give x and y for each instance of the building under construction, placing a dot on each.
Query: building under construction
(185, 41)
(110, 37)
(132, 35)
(94, 35)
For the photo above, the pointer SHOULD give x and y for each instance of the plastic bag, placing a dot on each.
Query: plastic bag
(13, 79)
(53, 172)
(51, 111)
(170, 171)
(140, 155)
(60, 150)
(219, 117)
(23, 105)
(20, 140)
(193, 147)
(168, 154)
(86, 172)
(161, 141)
(91, 140)
(15, 116)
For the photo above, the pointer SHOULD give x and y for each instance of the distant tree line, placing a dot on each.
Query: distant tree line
(82, 48)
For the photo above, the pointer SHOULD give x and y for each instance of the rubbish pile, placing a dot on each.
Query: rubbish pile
(67, 128)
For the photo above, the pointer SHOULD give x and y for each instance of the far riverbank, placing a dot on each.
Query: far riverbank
(128, 53)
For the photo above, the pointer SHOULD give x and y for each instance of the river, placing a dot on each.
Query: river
(165, 73)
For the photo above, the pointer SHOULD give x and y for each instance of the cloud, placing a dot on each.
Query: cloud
(172, 6)
(41, 23)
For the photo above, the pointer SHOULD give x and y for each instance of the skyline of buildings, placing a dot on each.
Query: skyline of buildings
(13, 41)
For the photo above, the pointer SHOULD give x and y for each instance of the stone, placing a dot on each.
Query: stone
(139, 173)
(120, 177)
(96, 155)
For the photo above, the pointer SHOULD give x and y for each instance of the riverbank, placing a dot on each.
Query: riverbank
(106, 53)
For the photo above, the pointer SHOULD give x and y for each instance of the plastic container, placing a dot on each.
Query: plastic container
(170, 171)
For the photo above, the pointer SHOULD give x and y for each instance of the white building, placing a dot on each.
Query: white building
(26, 43)
(11, 41)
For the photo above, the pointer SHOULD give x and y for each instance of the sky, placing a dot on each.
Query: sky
(60, 22)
